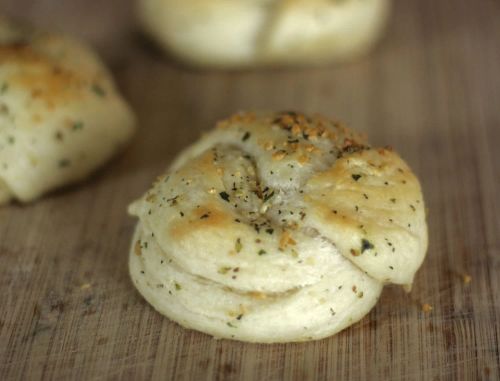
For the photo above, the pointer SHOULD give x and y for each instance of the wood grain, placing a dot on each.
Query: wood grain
(432, 90)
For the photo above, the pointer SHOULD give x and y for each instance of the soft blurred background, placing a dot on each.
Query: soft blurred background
(431, 89)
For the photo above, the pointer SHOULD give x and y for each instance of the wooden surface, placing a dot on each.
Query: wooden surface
(432, 90)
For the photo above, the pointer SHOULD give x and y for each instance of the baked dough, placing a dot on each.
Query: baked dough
(60, 113)
(276, 228)
(235, 33)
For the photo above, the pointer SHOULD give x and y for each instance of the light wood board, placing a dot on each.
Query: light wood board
(431, 90)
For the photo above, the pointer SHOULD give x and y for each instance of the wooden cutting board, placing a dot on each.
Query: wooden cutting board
(431, 90)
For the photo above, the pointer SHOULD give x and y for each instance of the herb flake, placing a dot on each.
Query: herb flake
(268, 196)
(98, 90)
(77, 126)
(356, 177)
(224, 270)
(366, 245)
(224, 196)
(238, 246)
(63, 163)
(245, 137)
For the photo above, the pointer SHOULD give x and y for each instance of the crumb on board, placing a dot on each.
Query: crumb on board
(426, 307)
(85, 286)
(466, 278)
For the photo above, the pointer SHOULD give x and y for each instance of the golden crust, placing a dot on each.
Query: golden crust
(51, 68)
(200, 220)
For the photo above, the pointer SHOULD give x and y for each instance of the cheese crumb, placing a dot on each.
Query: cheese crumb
(426, 307)
(466, 278)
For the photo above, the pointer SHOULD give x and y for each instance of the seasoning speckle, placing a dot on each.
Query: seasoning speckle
(246, 136)
(238, 245)
(267, 197)
(224, 270)
(279, 155)
(77, 126)
(366, 245)
(63, 163)
(98, 90)
(224, 196)
(137, 248)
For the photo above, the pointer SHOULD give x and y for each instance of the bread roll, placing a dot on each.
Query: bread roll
(236, 33)
(60, 114)
(277, 228)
